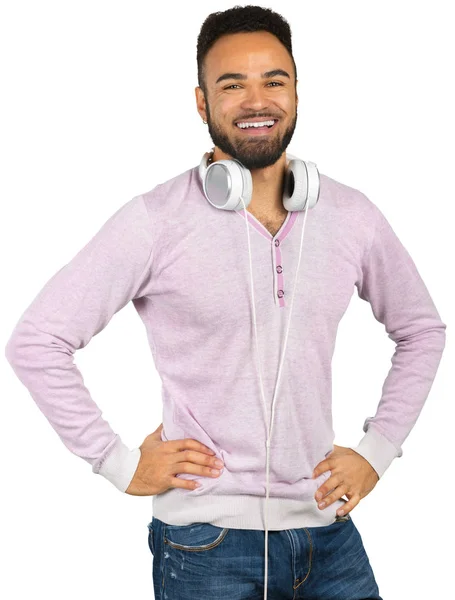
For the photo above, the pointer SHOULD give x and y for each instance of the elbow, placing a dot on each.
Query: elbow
(28, 348)
(442, 335)
(11, 348)
(426, 341)
(433, 338)
(439, 334)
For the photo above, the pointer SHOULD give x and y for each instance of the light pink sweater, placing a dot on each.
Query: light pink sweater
(184, 265)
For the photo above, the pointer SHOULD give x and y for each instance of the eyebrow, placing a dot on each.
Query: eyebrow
(265, 75)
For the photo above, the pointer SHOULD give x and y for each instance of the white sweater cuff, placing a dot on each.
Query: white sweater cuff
(377, 450)
(119, 465)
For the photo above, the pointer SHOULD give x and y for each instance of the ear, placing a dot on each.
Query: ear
(200, 102)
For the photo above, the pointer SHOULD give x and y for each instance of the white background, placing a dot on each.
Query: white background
(97, 106)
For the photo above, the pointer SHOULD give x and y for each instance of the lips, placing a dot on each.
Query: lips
(259, 120)
(256, 130)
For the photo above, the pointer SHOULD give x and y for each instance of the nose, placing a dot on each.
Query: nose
(255, 99)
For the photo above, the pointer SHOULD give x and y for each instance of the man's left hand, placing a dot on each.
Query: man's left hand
(351, 475)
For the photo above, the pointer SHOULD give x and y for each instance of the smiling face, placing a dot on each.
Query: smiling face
(249, 77)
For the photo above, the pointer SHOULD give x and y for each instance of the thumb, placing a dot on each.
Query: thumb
(334, 451)
(156, 435)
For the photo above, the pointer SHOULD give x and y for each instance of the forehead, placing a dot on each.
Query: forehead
(251, 53)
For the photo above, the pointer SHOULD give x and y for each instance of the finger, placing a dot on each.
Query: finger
(349, 505)
(188, 484)
(195, 469)
(197, 458)
(335, 495)
(203, 448)
(330, 484)
(322, 467)
(189, 444)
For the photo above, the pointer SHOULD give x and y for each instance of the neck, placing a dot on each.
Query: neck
(267, 185)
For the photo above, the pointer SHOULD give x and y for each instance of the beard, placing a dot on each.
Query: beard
(253, 152)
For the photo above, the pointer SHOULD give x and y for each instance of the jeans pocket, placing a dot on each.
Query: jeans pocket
(197, 537)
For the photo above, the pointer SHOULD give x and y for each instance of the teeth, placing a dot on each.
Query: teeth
(259, 124)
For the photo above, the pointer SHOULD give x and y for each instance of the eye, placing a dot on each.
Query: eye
(236, 84)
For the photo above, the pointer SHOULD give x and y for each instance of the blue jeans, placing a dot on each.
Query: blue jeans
(202, 561)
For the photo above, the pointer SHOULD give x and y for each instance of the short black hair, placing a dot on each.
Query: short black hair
(235, 20)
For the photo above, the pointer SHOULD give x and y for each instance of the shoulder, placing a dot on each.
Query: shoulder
(344, 196)
(169, 193)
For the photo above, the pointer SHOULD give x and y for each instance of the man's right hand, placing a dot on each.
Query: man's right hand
(161, 461)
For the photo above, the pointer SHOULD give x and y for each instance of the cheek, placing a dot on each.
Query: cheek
(224, 112)
(288, 105)
(229, 111)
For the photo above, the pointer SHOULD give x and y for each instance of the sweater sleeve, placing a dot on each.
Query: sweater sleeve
(399, 299)
(113, 268)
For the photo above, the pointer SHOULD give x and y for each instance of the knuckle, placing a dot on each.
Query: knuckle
(181, 467)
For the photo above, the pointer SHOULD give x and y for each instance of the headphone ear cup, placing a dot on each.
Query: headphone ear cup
(313, 183)
(301, 185)
(295, 186)
(225, 182)
(247, 187)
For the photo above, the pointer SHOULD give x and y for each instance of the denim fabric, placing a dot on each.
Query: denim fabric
(202, 561)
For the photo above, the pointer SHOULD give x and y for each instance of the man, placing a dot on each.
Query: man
(182, 263)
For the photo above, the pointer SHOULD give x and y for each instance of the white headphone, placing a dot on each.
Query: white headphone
(227, 184)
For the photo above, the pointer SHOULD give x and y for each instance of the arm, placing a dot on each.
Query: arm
(113, 268)
(400, 300)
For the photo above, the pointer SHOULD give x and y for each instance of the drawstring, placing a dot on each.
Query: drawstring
(258, 366)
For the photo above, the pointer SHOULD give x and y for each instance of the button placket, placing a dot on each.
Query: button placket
(279, 279)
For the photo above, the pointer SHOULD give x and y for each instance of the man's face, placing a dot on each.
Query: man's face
(233, 100)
